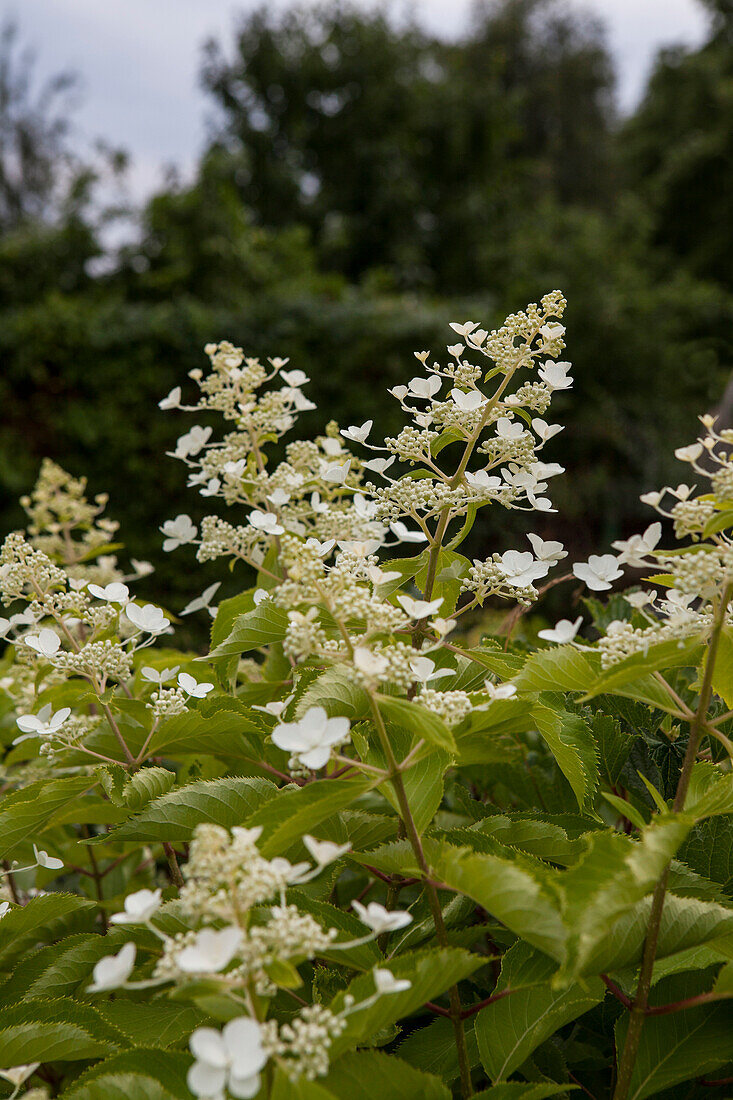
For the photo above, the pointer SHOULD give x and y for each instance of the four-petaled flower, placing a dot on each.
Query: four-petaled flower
(203, 602)
(419, 609)
(113, 971)
(562, 632)
(521, 569)
(265, 522)
(324, 851)
(178, 532)
(231, 1058)
(43, 724)
(598, 571)
(43, 859)
(150, 619)
(211, 951)
(46, 642)
(192, 687)
(379, 919)
(139, 907)
(311, 739)
(386, 982)
(116, 592)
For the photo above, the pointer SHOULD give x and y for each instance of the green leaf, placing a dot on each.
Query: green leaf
(27, 812)
(433, 1049)
(511, 1028)
(47, 1041)
(337, 692)
(367, 1074)
(134, 1075)
(160, 1024)
(570, 741)
(431, 973)
(663, 655)
(610, 879)
(42, 920)
(723, 671)
(285, 1089)
(563, 668)
(263, 625)
(227, 734)
(510, 892)
(520, 1090)
(226, 802)
(417, 720)
(298, 810)
(678, 1046)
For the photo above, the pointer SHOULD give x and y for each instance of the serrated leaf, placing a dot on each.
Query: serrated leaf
(263, 625)
(418, 721)
(509, 892)
(42, 920)
(569, 740)
(27, 812)
(134, 1075)
(723, 670)
(225, 734)
(366, 1074)
(228, 801)
(511, 1028)
(298, 810)
(431, 973)
(338, 693)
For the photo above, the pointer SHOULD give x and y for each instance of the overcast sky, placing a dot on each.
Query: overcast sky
(139, 60)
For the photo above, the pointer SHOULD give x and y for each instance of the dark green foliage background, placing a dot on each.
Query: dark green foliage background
(363, 185)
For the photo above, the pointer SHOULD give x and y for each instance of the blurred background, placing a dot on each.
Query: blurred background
(340, 181)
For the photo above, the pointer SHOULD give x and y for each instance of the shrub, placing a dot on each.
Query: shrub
(348, 853)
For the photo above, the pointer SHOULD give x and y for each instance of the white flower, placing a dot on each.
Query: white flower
(337, 473)
(456, 350)
(18, 1075)
(424, 387)
(690, 453)
(598, 571)
(193, 687)
(552, 330)
(562, 632)
(231, 1058)
(419, 609)
(424, 671)
(43, 859)
(45, 723)
(468, 401)
(324, 851)
(509, 429)
(46, 642)
(203, 602)
(276, 707)
(142, 568)
(149, 618)
(482, 480)
(378, 465)
(544, 430)
(5, 625)
(551, 552)
(113, 971)
(555, 375)
(379, 919)
(4, 908)
(404, 534)
(464, 329)
(371, 664)
(400, 392)
(139, 907)
(521, 569)
(321, 548)
(311, 739)
(172, 401)
(266, 522)
(278, 497)
(211, 951)
(634, 551)
(192, 442)
(112, 593)
(639, 599)
(292, 378)
(361, 548)
(499, 691)
(159, 677)
(260, 595)
(178, 532)
(654, 498)
(212, 487)
(386, 982)
(358, 435)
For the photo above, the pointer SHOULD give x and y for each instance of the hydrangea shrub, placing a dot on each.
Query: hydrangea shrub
(350, 852)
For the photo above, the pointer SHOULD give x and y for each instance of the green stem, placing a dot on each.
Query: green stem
(697, 732)
(433, 900)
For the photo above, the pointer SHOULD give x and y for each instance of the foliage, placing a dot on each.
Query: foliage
(345, 850)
